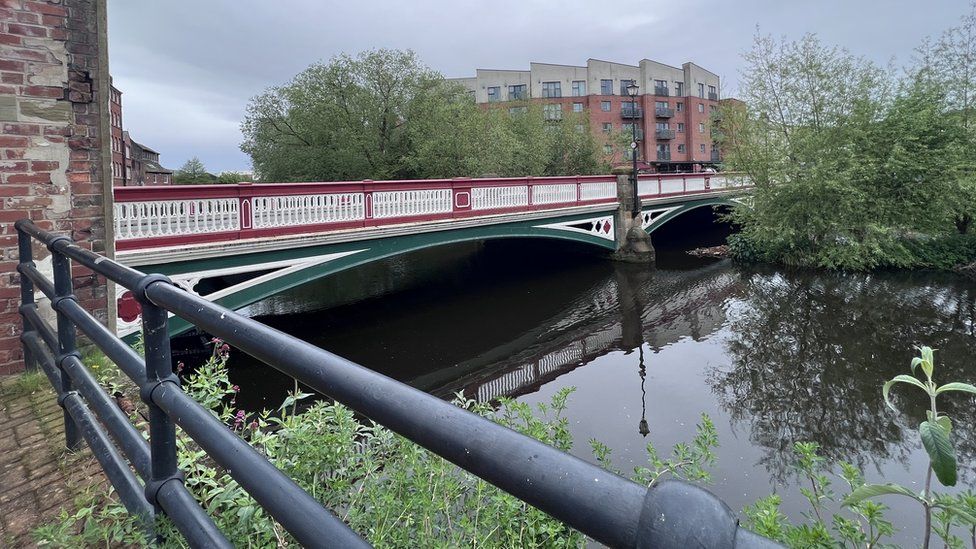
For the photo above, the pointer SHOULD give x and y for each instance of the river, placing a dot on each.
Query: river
(772, 356)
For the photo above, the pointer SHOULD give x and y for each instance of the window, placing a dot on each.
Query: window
(580, 128)
(551, 89)
(660, 87)
(607, 149)
(679, 89)
(701, 127)
(494, 93)
(679, 107)
(517, 92)
(701, 147)
(606, 87)
(701, 107)
(701, 90)
(712, 93)
(605, 106)
(681, 148)
(607, 127)
(660, 104)
(552, 111)
(661, 126)
(512, 111)
(681, 127)
(629, 154)
(577, 107)
(579, 88)
(623, 87)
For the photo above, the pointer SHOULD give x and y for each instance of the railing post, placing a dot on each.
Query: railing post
(66, 335)
(26, 256)
(159, 370)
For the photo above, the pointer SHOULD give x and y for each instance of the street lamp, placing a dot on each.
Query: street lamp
(632, 90)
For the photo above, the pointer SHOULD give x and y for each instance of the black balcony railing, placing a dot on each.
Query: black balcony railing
(609, 508)
(661, 91)
(626, 111)
(518, 95)
(716, 156)
(663, 112)
(713, 96)
(663, 155)
(664, 134)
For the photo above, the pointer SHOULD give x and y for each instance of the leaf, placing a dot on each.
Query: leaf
(963, 512)
(915, 362)
(928, 362)
(900, 379)
(872, 490)
(963, 387)
(935, 438)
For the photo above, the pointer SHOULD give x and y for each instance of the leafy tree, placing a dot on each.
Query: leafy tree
(384, 115)
(193, 171)
(233, 177)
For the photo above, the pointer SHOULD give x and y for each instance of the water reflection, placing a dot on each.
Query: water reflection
(810, 351)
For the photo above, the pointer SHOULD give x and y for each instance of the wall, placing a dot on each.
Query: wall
(54, 121)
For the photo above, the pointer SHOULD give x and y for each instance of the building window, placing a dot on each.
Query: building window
(579, 88)
(606, 87)
(517, 92)
(512, 111)
(660, 104)
(623, 87)
(552, 111)
(494, 93)
(681, 127)
(629, 154)
(701, 90)
(608, 149)
(661, 126)
(712, 109)
(712, 93)
(577, 107)
(664, 151)
(681, 148)
(580, 128)
(607, 127)
(679, 89)
(605, 106)
(701, 127)
(551, 90)
(701, 107)
(661, 87)
(701, 147)
(679, 107)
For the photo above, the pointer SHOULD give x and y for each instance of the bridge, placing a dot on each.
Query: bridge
(238, 244)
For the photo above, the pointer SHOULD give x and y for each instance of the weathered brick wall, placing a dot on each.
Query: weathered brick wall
(53, 124)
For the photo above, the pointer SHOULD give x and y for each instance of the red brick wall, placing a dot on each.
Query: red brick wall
(52, 66)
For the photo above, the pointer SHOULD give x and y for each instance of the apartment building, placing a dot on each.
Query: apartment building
(672, 110)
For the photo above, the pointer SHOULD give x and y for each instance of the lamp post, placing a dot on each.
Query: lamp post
(632, 89)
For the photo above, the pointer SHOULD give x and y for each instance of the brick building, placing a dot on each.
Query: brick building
(672, 111)
(55, 158)
(133, 164)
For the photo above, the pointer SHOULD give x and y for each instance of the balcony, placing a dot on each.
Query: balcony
(716, 156)
(660, 91)
(663, 155)
(661, 112)
(518, 96)
(626, 111)
(713, 96)
(664, 134)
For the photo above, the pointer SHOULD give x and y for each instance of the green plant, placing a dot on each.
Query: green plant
(29, 382)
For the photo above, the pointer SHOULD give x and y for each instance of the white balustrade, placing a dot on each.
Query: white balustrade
(152, 219)
(598, 191)
(672, 185)
(646, 187)
(388, 204)
(554, 194)
(312, 209)
(694, 184)
(493, 198)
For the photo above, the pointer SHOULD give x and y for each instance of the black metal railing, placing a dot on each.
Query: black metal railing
(716, 155)
(663, 155)
(626, 111)
(664, 134)
(602, 505)
(713, 96)
(663, 112)
(661, 91)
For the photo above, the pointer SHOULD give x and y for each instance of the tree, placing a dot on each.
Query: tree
(384, 115)
(193, 171)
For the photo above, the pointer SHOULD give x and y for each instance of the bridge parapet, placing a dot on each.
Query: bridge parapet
(149, 217)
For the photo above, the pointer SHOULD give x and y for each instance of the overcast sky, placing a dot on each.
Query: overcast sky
(188, 67)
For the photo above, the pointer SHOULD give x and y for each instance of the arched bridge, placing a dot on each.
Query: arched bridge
(238, 244)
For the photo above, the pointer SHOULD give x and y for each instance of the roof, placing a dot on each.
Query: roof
(143, 147)
(153, 167)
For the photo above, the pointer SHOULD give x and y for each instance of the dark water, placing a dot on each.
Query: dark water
(773, 357)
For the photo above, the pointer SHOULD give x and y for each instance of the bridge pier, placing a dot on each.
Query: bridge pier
(633, 243)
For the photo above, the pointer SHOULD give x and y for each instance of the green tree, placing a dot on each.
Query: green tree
(193, 171)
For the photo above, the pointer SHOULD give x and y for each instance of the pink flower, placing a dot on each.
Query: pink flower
(180, 366)
(236, 388)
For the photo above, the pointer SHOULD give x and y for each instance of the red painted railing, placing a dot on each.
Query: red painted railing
(149, 217)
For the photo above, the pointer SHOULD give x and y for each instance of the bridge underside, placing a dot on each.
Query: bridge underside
(263, 268)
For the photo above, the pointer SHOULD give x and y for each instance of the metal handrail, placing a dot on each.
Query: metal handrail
(602, 505)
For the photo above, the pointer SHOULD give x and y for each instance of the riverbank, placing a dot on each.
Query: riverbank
(38, 477)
